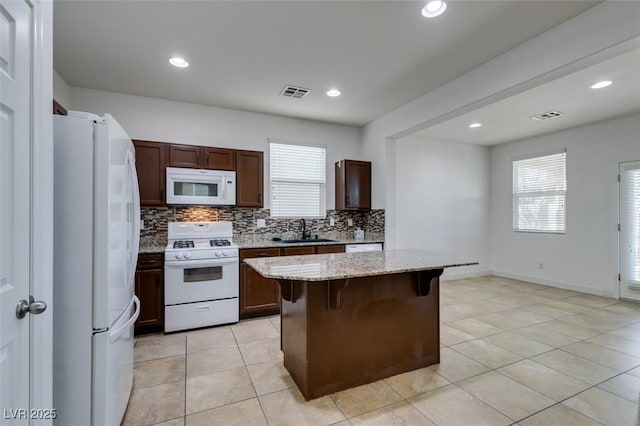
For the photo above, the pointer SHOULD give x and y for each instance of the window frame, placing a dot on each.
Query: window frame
(323, 206)
(514, 196)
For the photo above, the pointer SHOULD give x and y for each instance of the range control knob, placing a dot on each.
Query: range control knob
(217, 254)
(225, 253)
(178, 255)
(187, 255)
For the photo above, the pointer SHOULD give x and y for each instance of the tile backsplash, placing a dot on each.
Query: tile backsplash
(244, 221)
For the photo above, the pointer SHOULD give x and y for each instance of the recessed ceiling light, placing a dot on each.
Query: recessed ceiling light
(601, 84)
(178, 62)
(474, 125)
(333, 93)
(434, 8)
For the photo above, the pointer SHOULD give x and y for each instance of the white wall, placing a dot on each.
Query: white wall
(585, 258)
(443, 200)
(586, 39)
(61, 90)
(178, 122)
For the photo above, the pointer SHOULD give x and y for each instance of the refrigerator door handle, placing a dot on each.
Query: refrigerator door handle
(136, 215)
(115, 334)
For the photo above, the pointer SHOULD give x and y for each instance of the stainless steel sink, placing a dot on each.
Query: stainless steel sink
(308, 240)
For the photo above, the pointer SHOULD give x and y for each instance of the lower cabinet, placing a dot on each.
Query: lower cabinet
(258, 295)
(150, 290)
(261, 296)
(336, 248)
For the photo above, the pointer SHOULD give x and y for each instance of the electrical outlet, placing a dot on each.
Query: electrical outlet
(540, 265)
(349, 222)
(260, 223)
(332, 222)
(141, 223)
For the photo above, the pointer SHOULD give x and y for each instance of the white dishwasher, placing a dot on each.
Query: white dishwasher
(352, 248)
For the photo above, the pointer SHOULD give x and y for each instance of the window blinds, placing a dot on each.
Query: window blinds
(630, 223)
(539, 191)
(297, 181)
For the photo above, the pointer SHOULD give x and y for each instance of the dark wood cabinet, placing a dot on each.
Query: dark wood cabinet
(336, 248)
(151, 166)
(294, 251)
(58, 109)
(201, 157)
(261, 296)
(219, 159)
(258, 295)
(353, 185)
(149, 283)
(249, 179)
(184, 156)
(152, 159)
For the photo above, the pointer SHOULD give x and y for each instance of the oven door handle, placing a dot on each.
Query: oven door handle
(204, 263)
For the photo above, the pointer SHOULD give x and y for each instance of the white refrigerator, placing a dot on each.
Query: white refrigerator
(96, 236)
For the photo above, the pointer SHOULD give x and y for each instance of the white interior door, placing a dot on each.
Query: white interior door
(630, 230)
(15, 208)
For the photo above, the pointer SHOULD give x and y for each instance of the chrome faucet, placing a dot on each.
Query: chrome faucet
(305, 234)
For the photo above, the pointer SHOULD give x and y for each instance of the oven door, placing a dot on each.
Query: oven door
(200, 280)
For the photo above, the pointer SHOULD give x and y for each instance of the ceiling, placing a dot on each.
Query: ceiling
(509, 119)
(380, 54)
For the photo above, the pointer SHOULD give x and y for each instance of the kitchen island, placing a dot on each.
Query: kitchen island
(353, 318)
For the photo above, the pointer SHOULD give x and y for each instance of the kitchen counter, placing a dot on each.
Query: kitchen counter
(351, 265)
(268, 243)
(348, 319)
(152, 245)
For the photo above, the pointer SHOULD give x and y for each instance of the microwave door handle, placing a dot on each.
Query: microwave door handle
(223, 189)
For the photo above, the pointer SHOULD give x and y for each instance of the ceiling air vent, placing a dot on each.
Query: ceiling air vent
(294, 91)
(547, 115)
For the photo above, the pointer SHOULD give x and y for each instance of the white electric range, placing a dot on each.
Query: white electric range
(201, 275)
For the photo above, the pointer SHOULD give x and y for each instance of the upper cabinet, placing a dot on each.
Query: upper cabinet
(152, 159)
(219, 159)
(184, 156)
(200, 157)
(150, 165)
(249, 179)
(353, 185)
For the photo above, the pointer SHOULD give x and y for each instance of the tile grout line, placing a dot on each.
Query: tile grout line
(244, 362)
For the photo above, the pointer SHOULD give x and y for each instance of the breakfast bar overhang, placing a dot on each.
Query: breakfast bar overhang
(353, 318)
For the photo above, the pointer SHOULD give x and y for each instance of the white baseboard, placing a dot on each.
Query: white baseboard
(554, 283)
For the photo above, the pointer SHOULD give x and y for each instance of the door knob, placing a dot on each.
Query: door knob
(32, 306)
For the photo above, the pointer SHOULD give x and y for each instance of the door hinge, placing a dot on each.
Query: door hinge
(619, 277)
(618, 227)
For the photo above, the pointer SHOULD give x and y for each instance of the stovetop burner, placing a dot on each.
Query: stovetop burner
(182, 244)
(219, 243)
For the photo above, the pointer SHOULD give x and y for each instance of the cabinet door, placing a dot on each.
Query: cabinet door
(249, 175)
(258, 295)
(293, 251)
(358, 184)
(335, 248)
(219, 159)
(149, 289)
(150, 165)
(184, 156)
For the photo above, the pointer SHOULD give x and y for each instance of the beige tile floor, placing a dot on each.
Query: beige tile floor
(512, 353)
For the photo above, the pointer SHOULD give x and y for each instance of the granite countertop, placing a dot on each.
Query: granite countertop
(152, 245)
(323, 267)
(268, 243)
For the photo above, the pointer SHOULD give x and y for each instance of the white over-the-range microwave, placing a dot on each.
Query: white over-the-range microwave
(201, 187)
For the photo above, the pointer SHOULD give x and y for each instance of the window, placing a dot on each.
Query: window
(297, 180)
(630, 224)
(539, 191)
